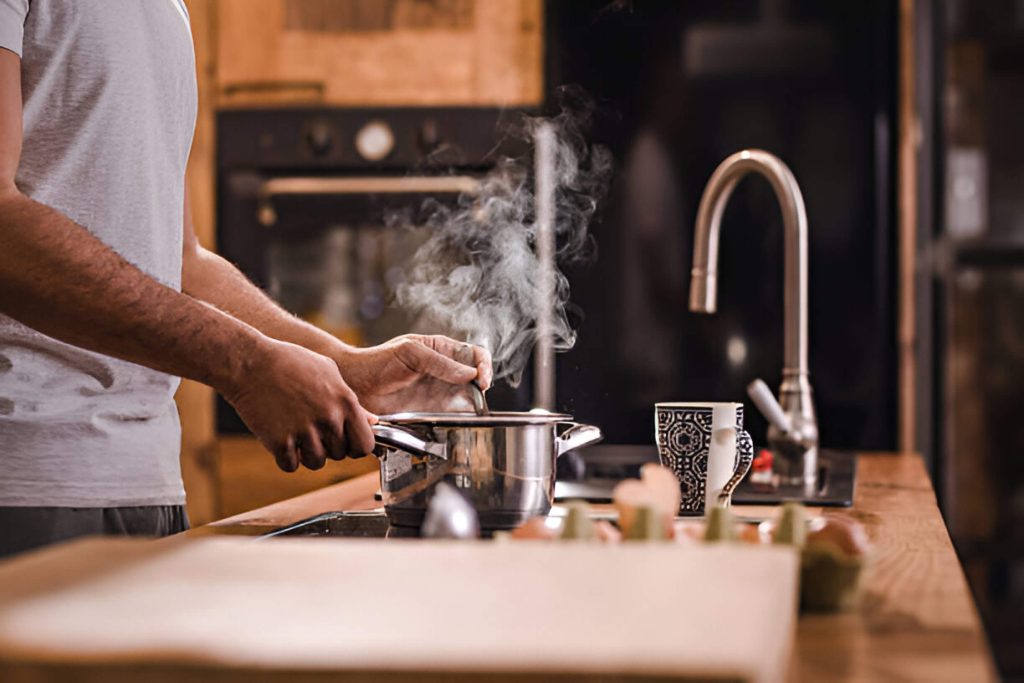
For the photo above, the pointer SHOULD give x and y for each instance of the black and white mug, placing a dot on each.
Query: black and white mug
(706, 447)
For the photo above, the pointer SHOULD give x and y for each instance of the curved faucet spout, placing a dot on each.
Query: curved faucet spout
(703, 278)
(795, 393)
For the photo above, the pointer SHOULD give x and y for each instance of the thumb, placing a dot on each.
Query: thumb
(426, 361)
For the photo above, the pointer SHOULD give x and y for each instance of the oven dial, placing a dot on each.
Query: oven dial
(430, 136)
(374, 141)
(319, 138)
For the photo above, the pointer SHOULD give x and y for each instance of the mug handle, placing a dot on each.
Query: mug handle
(744, 458)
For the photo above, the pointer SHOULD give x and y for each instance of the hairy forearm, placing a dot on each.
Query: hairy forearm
(59, 279)
(210, 278)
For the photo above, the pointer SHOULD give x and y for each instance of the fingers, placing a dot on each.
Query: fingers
(349, 432)
(346, 433)
(311, 449)
(462, 352)
(334, 439)
(361, 433)
(425, 360)
(484, 367)
(465, 354)
(287, 456)
(474, 356)
(313, 446)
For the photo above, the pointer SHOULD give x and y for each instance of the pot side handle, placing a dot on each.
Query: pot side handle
(576, 436)
(396, 437)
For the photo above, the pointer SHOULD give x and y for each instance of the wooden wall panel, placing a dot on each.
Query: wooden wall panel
(199, 461)
(480, 53)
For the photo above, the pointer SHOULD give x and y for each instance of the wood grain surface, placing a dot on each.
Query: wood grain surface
(917, 620)
(228, 608)
(268, 54)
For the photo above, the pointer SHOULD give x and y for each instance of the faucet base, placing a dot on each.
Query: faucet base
(796, 469)
(797, 463)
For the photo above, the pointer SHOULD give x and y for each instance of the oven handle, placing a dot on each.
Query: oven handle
(277, 187)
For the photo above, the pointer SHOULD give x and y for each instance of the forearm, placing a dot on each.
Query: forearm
(410, 372)
(210, 278)
(59, 279)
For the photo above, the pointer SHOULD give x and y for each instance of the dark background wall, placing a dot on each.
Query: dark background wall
(809, 81)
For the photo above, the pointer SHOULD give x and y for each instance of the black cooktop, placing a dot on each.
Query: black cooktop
(601, 467)
(357, 524)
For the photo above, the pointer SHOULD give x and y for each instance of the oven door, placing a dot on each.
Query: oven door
(332, 249)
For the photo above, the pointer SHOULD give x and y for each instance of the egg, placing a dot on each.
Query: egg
(842, 533)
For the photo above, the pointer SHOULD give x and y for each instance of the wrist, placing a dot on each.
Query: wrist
(247, 351)
(328, 345)
(347, 359)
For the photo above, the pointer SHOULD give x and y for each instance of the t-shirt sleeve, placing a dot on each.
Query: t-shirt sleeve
(12, 24)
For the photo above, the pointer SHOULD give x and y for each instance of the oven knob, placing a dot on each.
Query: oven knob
(374, 141)
(320, 138)
(430, 136)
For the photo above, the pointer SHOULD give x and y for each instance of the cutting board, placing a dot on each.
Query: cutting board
(308, 609)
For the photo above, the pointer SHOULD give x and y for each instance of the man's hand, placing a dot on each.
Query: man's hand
(415, 373)
(299, 407)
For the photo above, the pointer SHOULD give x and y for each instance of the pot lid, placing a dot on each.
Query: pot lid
(494, 419)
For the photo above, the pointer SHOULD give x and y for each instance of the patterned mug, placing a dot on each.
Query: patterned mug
(706, 447)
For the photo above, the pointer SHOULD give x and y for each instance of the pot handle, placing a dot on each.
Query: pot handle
(396, 437)
(577, 435)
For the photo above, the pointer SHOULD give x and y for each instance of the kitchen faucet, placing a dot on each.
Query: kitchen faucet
(795, 438)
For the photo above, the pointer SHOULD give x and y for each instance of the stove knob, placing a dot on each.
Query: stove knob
(319, 138)
(430, 136)
(374, 141)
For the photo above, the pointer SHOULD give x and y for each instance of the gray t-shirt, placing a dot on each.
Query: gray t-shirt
(109, 98)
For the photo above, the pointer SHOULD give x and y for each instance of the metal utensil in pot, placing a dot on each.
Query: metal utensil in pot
(479, 399)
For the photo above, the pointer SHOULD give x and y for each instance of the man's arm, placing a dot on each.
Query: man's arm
(56, 277)
(209, 278)
(408, 373)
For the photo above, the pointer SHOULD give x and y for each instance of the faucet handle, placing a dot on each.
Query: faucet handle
(765, 401)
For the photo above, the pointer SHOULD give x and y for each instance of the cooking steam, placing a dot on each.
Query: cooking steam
(477, 274)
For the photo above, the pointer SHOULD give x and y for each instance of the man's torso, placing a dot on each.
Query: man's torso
(109, 102)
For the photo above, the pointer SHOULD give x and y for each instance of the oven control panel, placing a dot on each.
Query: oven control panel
(355, 139)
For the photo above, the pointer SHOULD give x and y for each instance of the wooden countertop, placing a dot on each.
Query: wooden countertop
(916, 621)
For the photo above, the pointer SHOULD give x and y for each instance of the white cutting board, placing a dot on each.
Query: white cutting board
(224, 606)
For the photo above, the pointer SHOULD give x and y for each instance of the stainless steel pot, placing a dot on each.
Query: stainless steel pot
(503, 463)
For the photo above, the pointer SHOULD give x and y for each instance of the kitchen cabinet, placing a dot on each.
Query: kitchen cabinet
(381, 52)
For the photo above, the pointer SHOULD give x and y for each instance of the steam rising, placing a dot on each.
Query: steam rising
(477, 275)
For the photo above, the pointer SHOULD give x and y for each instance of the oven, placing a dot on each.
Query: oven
(314, 206)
